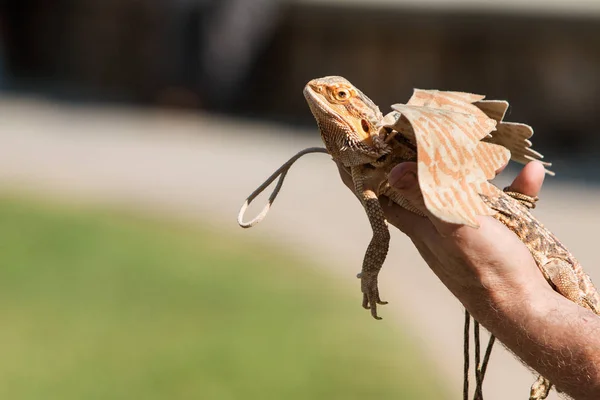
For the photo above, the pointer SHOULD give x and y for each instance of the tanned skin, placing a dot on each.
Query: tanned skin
(446, 134)
(494, 276)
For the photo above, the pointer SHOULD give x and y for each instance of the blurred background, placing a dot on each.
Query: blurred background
(131, 132)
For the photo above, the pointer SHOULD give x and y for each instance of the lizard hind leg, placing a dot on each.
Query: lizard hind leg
(528, 201)
(562, 276)
(540, 389)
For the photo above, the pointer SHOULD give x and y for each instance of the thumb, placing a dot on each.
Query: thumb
(403, 177)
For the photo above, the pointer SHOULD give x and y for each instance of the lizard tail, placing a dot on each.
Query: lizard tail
(280, 173)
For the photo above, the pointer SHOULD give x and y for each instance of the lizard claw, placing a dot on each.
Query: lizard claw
(370, 293)
(540, 389)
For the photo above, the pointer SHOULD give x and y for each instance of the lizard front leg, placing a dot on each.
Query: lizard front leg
(380, 242)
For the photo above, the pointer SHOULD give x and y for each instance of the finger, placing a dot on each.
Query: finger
(408, 222)
(530, 179)
(403, 177)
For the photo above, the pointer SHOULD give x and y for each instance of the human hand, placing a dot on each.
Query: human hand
(495, 277)
(489, 261)
(473, 263)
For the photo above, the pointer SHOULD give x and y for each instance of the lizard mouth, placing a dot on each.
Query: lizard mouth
(319, 106)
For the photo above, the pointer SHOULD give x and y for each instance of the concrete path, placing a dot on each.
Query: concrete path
(202, 167)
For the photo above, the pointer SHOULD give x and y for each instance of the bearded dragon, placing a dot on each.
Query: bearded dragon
(459, 141)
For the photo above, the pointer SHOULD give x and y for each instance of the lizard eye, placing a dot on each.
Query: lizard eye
(341, 94)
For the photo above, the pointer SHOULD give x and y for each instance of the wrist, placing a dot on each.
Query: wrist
(509, 302)
(551, 334)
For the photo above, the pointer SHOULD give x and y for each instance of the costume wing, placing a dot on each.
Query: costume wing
(448, 163)
(461, 143)
(511, 135)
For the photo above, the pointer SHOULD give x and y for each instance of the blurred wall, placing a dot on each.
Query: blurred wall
(547, 67)
(253, 56)
(101, 49)
(184, 52)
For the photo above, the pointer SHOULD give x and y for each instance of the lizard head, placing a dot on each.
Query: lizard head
(349, 121)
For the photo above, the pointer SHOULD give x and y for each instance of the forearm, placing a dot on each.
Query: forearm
(493, 274)
(506, 292)
(556, 337)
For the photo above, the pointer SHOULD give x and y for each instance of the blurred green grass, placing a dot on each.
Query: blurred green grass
(103, 305)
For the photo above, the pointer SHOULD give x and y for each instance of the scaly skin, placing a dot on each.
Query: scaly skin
(353, 131)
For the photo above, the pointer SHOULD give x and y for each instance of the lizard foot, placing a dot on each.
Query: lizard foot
(527, 201)
(540, 389)
(370, 290)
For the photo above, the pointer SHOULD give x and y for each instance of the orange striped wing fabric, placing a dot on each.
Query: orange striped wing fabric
(461, 143)
(448, 166)
(512, 135)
